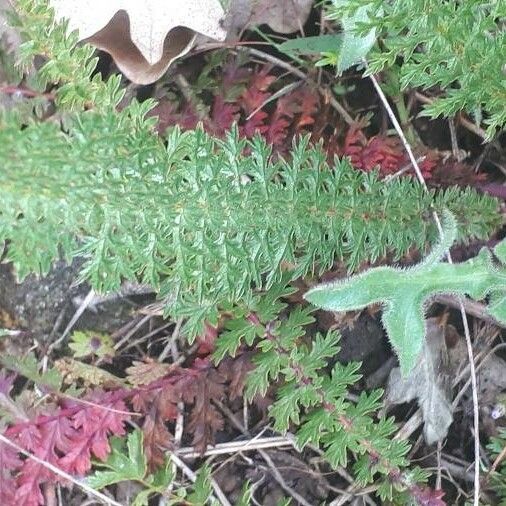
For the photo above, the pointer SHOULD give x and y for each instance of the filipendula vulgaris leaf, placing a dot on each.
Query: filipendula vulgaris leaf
(158, 483)
(202, 489)
(128, 463)
(404, 292)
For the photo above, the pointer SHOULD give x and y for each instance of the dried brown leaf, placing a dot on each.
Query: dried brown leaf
(205, 419)
(143, 373)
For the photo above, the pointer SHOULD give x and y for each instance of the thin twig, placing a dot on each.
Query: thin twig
(295, 71)
(457, 153)
(173, 337)
(473, 308)
(279, 478)
(129, 334)
(497, 461)
(465, 386)
(404, 169)
(80, 310)
(276, 474)
(25, 92)
(145, 337)
(416, 419)
(419, 175)
(178, 432)
(438, 472)
(237, 447)
(56, 470)
(280, 93)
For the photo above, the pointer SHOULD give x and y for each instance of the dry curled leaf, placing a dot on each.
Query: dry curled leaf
(143, 373)
(428, 383)
(144, 38)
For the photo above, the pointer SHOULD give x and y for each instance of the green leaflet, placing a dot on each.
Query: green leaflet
(404, 292)
(127, 462)
(355, 47)
(28, 367)
(123, 464)
(312, 45)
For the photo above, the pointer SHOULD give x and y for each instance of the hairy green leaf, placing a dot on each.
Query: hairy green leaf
(404, 292)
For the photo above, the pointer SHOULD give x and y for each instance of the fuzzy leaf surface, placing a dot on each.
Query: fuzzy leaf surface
(404, 292)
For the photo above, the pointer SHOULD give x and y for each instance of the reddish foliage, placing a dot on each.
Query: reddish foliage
(9, 464)
(74, 432)
(255, 94)
(92, 427)
(428, 497)
(293, 114)
(223, 115)
(67, 439)
(379, 151)
(448, 171)
(205, 419)
(207, 341)
(158, 402)
(246, 97)
(235, 371)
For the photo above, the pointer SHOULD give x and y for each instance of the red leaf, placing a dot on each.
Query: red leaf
(223, 115)
(205, 419)
(255, 95)
(254, 125)
(157, 438)
(429, 497)
(207, 341)
(235, 371)
(385, 153)
(93, 425)
(277, 130)
(52, 441)
(9, 464)
(307, 104)
(159, 404)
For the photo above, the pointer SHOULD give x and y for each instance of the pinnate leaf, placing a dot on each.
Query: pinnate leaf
(123, 463)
